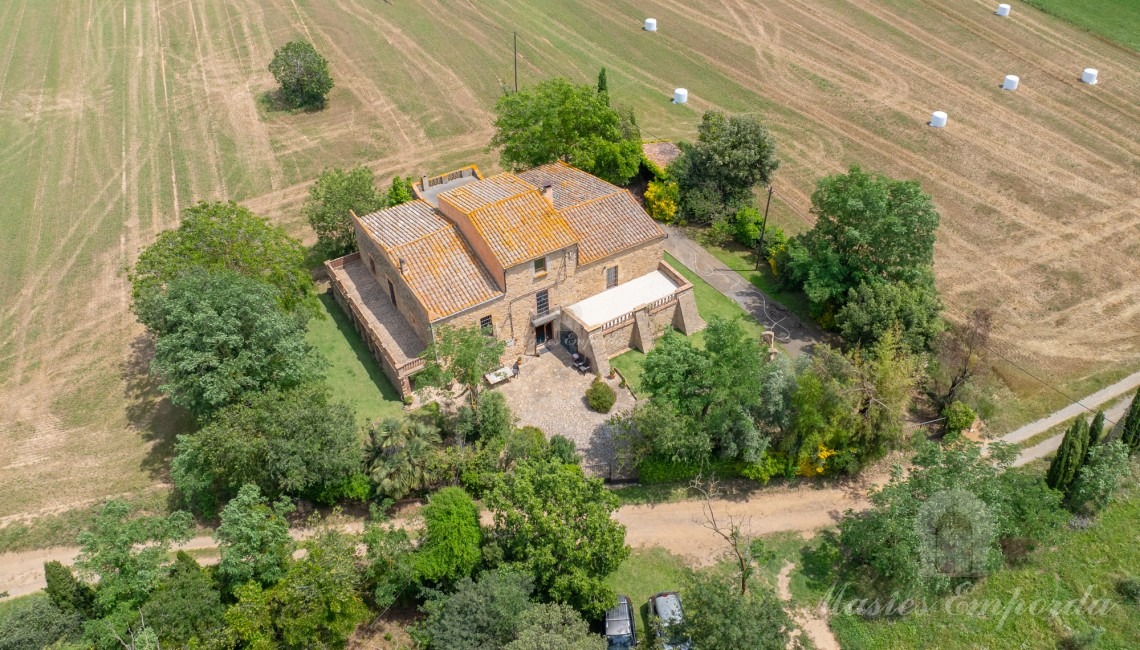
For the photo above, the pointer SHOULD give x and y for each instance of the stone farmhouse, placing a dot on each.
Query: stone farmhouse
(549, 256)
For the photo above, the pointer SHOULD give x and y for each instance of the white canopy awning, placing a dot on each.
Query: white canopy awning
(622, 299)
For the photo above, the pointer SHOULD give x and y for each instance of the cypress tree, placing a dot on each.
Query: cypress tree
(1130, 432)
(66, 591)
(603, 84)
(1069, 456)
(1096, 432)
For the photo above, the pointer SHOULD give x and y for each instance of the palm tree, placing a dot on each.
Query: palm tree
(399, 455)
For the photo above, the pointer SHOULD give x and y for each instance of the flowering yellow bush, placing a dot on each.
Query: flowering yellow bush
(661, 200)
(816, 465)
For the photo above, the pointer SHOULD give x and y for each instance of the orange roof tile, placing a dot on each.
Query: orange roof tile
(444, 273)
(403, 223)
(521, 228)
(479, 194)
(610, 224)
(571, 185)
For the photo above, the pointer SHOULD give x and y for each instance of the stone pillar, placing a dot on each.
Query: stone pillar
(642, 331)
(686, 319)
(597, 352)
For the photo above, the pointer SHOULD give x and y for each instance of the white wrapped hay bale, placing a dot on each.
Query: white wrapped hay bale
(938, 119)
(650, 24)
(1089, 75)
(1011, 82)
(680, 96)
(1003, 10)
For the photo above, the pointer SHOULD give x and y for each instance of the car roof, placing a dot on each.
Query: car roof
(668, 606)
(617, 618)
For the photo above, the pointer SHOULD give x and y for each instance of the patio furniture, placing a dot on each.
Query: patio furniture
(582, 363)
(498, 376)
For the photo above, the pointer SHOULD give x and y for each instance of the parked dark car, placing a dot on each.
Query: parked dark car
(621, 632)
(665, 614)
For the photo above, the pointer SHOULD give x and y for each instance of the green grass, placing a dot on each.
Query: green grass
(1116, 20)
(1091, 559)
(62, 529)
(742, 260)
(646, 572)
(1020, 399)
(710, 304)
(353, 373)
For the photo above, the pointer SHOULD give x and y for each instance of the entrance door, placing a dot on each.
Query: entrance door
(543, 333)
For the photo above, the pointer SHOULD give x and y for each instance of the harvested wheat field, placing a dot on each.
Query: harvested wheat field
(114, 115)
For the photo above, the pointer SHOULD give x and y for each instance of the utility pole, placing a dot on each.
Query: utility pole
(516, 35)
(763, 228)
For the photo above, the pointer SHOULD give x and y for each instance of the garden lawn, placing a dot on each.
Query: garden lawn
(352, 372)
(743, 261)
(1093, 559)
(710, 304)
(648, 571)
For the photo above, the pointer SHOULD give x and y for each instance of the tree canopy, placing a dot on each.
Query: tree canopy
(336, 194)
(220, 337)
(225, 236)
(558, 120)
(870, 230)
(479, 615)
(295, 442)
(716, 174)
(719, 617)
(555, 523)
(303, 74)
(462, 355)
(253, 539)
(452, 539)
(400, 454)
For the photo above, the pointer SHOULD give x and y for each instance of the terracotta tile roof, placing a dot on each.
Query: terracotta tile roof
(571, 186)
(444, 273)
(400, 224)
(480, 194)
(661, 153)
(610, 224)
(521, 227)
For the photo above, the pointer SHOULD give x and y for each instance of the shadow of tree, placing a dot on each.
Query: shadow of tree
(819, 562)
(149, 412)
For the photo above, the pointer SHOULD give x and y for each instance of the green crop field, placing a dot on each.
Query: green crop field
(1116, 20)
(115, 115)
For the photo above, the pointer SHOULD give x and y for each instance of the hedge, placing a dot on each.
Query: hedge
(654, 470)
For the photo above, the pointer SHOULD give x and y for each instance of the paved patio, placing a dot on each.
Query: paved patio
(551, 395)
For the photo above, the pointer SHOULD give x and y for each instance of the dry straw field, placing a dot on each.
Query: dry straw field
(114, 114)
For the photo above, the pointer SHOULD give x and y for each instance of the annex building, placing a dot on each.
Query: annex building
(548, 256)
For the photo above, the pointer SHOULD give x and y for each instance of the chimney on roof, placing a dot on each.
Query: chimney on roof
(548, 194)
(423, 182)
(403, 267)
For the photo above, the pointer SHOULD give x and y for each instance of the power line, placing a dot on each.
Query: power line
(1067, 396)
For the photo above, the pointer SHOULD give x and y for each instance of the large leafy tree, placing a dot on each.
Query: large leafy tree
(253, 539)
(482, 615)
(296, 442)
(220, 338)
(869, 228)
(451, 545)
(979, 504)
(333, 198)
(716, 174)
(127, 553)
(462, 355)
(720, 617)
(873, 308)
(554, 626)
(556, 524)
(303, 74)
(317, 602)
(704, 399)
(225, 236)
(400, 455)
(36, 622)
(185, 608)
(389, 564)
(558, 120)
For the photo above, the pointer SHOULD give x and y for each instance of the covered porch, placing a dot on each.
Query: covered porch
(631, 316)
(390, 338)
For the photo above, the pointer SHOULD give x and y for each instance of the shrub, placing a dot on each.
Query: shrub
(959, 417)
(770, 465)
(655, 470)
(563, 449)
(35, 622)
(1129, 590)
(661, 200)
(600, 397)
(525, 442)
(747, 226)
(452, 538)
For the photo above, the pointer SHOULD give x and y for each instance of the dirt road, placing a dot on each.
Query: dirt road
(671, 525)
